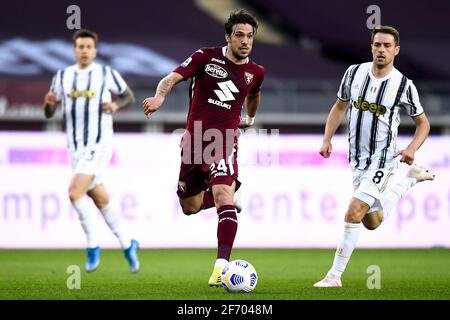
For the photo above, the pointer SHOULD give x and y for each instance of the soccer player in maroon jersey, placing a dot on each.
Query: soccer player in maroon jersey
(222, 79)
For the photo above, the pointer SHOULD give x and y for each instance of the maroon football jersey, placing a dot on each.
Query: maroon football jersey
(218, 88)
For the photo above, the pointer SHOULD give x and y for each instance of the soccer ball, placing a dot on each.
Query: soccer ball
(239, 276)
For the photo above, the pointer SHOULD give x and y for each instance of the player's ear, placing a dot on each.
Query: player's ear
(397, 50)
(227, 38)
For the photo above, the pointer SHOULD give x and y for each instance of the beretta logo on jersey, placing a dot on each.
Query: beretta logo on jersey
(216, 71)
(248, 77)
(377, 109)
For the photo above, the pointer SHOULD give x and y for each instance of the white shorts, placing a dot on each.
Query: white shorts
(369, 184)
(91, 161)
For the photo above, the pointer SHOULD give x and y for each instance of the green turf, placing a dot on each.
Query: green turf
(183, 274)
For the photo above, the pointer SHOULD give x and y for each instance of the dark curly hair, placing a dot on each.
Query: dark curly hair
(240, 16)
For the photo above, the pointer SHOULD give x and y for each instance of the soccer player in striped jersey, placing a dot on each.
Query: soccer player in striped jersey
(223, 78)
(372, 95)
(84, 92)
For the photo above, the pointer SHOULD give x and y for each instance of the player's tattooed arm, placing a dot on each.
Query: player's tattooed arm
(125, 99)
(167, 83)
(152, 104)
(50, 104)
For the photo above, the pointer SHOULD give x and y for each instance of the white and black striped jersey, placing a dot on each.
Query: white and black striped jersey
(82, 93)
(373, 113)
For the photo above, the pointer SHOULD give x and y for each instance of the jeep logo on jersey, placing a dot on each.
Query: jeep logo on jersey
(377, 109)
(216, 71)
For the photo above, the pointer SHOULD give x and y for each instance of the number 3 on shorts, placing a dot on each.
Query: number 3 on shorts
(91, 155)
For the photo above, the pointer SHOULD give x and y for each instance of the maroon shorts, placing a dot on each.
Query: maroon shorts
(195, 178)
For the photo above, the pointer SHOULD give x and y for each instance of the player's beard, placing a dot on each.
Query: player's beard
(382, 65)
(238, 55)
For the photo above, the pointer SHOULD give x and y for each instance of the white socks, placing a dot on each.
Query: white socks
(82, 206)
(351, 230)
(391, 196)
(345, 249)
(87, 220)
(113, 221)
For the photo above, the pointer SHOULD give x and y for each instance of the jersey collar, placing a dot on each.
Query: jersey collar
(224, 52)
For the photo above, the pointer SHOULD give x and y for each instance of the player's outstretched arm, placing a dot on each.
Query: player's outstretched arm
(422, 130)
(50, 104)
(252, 104)
(152, 104)
(334, 119)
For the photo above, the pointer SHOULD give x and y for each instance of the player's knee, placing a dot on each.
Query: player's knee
(100, 201)
(370, 225)
(75, 193)
(372, 220)
(354, 214)
(189, 209)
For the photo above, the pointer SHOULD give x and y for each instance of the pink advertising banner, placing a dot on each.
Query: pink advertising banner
(292, 197)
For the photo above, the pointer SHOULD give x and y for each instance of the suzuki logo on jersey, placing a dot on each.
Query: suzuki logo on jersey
(216, 71)
(225, 94)
(377, 109)
(248, 77)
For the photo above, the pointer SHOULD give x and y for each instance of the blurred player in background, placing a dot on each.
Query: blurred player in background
(84, 91)
(222, 79)
(375, 92)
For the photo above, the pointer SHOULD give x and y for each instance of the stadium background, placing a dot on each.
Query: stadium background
(289, 192)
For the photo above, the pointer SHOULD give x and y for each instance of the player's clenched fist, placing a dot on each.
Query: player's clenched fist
(50, 99)
(152, 104)
(325, 150)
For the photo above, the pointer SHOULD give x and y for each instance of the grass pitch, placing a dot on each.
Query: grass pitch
(284, 274)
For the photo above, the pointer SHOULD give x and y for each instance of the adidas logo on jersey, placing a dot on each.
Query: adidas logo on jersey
(377, 109)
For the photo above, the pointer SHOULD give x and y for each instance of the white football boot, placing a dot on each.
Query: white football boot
(237, 200)
(329, 282)
(420, 173)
